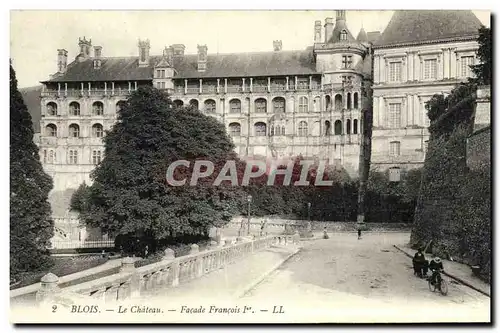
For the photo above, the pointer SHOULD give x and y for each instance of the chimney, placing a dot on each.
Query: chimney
(85, 46)
(317, 31)
(97, 57)
(202, 58)
(178, 49)
(144, 47)
(62, 60)
(328, 29)
(340, 15)
(277, 45)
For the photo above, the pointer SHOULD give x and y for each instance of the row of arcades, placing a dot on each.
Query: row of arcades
(303, 129)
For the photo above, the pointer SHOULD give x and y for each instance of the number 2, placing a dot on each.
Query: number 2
(54, 308)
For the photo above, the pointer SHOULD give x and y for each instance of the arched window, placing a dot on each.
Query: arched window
(209, 106)
(355, 126)
(278, 105)
(74, 131)
(260, 105)
(343, 35)
(51, 109)
(349, 101)
(356, 102)
(328, 102)
(260, 129)
(178, 103)
(194, 104)
(97, 131)
(328, 128)
(51, 130)
(348, 126)
(283, 130)
(302, 128)
(74, 108)
(97, 109)
(303, 107)
(316, 103)
(235, 129)
(338, 102)
(338, 127)
(120, 105)
(235, 106)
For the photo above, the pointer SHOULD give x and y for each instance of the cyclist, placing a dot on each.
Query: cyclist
(435, 266)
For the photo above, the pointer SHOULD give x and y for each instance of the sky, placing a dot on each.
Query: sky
(35, 36)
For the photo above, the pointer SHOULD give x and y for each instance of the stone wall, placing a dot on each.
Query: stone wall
(479, 150)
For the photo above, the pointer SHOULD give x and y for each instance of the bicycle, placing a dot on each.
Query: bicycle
(440, 284)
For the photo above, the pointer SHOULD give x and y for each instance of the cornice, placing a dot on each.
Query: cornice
(433, 41)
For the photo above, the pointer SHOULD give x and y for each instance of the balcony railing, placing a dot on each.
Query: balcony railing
(234, 89)
(259, 88)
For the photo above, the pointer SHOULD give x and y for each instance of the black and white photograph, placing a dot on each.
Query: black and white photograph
(250, 166)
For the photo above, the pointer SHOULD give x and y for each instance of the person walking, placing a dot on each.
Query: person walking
(359, 233)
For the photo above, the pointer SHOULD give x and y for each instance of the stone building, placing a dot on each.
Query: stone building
(419, 54)
(276, 104)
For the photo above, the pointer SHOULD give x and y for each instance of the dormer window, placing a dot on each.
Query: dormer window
(97, 64)
(343, 35)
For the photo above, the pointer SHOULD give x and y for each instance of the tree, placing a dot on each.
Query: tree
(484, 69)
(31, 226)
(130, 193)
(79, 198)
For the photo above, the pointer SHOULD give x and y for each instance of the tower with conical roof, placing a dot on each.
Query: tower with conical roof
(344, 63)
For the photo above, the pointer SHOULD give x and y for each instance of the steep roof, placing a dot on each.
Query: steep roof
(31, 97)
(218, 65)
(362, 36)
(339, 26)
(372, 36)
(420, 26)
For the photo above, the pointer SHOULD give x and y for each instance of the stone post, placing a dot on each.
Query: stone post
(194, 249)
(134, 283)
(168, 254)
(49, 288)
(127, 265)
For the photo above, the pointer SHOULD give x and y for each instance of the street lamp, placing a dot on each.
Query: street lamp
(249, 200)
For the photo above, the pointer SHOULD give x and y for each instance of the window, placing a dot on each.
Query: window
(178, 103)
(235, 106)
(302, 84)
(235, 129)
(97, 109)
(51, 130)
(302, 128)
(260, 129)
(52, 157)
(338, 127)
(346, 61)
(343, 35)
(97, 131)
(328, 128)
(73, 157)
(209, 105)
(356, 102)
(260, 105)
(194, 104)
(395, 71)
(348, 126)
(338, 102)
(96, 157)
(303, 107)
(394, 115)
(430, 69)
(51, 109)
(282, 130)
(74, 109)
(45, 156)
(395, 148)
(158, 85)
(466, 62)
(349, 104)
(426, 145)
(163, 85)
(355, 126)
(74, 131)
(279, 105)
(394, 174)
(158, 73)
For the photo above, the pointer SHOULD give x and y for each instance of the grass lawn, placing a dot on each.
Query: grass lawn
(62, 266)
